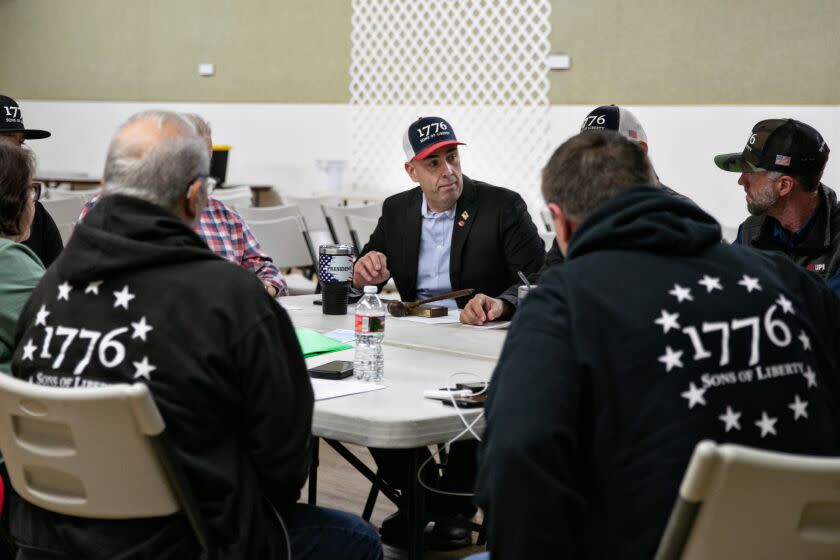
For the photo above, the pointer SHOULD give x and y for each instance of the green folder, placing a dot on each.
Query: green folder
(314, 343)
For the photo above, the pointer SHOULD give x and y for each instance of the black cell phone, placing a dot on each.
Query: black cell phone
(475, 401)
(338, 369)
(476, 387)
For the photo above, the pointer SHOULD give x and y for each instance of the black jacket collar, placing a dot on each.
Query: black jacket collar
(818, 236)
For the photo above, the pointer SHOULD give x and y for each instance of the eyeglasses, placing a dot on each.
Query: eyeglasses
(210, 183)
(36, 187)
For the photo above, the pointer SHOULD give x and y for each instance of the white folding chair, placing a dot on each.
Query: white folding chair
(238, 198)
(59, 193)
(287, 242)
(739, 502)
(361, 229)
(310, 208)
(65, 209)
(313, 218)
(64, 212)
(269, 213)
(336, 218)
(94, 453)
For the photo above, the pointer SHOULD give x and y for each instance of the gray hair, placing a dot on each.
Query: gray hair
(592, 167)
(157, 172)
(805, 182)
(202, 127)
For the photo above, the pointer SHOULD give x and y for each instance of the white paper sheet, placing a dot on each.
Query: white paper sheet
(342, 335)
(453, 317)
(490, 325)
(332, 388)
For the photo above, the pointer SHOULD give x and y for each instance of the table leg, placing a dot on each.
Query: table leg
(414, 506)
(313, 471)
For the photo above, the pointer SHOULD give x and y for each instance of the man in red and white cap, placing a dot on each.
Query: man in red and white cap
(449, 232)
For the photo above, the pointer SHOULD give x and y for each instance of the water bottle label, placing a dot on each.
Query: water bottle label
(370, 325)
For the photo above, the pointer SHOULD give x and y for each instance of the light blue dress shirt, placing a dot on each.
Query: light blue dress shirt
(435, 248)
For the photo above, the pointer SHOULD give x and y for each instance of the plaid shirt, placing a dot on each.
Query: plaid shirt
(227, 234)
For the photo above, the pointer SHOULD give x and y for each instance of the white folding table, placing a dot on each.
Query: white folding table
(417, 357)
(454, 339)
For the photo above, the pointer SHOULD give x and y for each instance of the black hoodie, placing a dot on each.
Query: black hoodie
(137, 296)
(651, 337)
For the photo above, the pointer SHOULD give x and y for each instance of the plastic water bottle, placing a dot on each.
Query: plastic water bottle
(368, 364)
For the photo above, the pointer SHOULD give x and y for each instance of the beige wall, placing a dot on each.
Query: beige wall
(655, 52)
(289, 51)
(662, 52)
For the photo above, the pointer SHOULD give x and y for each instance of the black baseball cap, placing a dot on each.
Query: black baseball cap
(427, 135)
(785, 145)
(11, 120)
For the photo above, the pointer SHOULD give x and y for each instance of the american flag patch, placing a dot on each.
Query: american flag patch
(782, 160)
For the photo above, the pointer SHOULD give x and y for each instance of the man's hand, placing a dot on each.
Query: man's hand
(482, 309)
(371, 269)
(272, 291)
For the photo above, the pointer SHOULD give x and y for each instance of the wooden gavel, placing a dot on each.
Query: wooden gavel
(401, 309)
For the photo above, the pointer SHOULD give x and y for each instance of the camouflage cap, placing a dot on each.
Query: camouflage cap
(785, 145)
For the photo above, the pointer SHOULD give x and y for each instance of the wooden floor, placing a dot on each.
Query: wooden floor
(341, 487)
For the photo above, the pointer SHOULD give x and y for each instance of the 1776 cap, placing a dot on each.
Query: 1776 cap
(611, 117)
(427, 135)
(785, 145)
(11, 120)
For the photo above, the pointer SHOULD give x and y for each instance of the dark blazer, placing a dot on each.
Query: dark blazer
(497, 239)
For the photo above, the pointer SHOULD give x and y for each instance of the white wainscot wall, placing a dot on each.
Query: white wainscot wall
(279, 144)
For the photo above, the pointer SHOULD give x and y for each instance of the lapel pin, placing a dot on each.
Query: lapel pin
(461, 223)
(465, 215)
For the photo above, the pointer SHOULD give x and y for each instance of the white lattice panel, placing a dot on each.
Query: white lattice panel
(480, 64)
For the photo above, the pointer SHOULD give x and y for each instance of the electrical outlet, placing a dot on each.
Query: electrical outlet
(559, 61)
